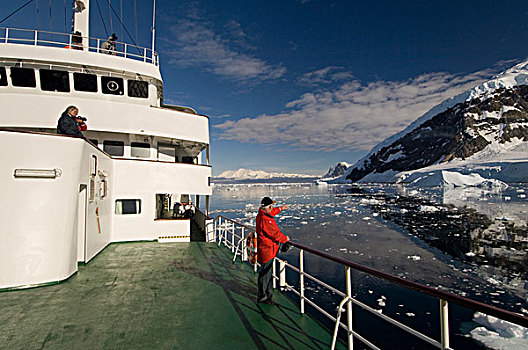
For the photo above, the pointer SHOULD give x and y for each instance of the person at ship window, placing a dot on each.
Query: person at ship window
(68, 123)
(109, 47)
(269, 236)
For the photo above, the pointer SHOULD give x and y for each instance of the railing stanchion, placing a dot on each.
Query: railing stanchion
(36, 38)
(126, 48)
(6, 35)
(350, 336)
(444, 324)
(282, 274)
(233, 237)
(301, 278)
(144, 54)
(274, 273)
(244, 250)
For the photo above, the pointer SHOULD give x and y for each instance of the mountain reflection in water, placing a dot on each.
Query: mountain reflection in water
(471, 242)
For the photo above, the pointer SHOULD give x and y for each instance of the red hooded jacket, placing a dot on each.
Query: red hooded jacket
(268, 235)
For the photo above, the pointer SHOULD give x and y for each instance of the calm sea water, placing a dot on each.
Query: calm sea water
(469, 241)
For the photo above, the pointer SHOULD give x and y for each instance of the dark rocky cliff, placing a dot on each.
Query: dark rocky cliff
(457, 133)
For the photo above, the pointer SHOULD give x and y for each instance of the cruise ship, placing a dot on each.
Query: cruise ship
(142, 174)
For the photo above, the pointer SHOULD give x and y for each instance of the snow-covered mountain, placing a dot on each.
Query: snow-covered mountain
(247, 174)
(484, 128)
(336, 170)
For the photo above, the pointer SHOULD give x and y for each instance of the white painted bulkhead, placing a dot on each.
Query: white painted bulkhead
(143, 180)
(39, 239)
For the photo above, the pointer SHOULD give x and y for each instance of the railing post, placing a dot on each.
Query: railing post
(301, 278)
(126, 48)
(233, 237)
(244, 250)
(36, 37)
(6, 35)
(444, 324)
(350, 336)
(274, 273)
(144, 54)
(282, 274)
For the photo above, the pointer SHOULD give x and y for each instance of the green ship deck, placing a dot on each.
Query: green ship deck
(149, 295)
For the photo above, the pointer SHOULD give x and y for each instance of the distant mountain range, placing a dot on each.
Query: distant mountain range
(481, 131)
(247, 174)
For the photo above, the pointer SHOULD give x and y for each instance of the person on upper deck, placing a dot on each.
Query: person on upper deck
(269, 236)
(70, 123)
(109, 47)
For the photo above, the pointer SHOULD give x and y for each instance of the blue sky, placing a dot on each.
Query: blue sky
(296, 86)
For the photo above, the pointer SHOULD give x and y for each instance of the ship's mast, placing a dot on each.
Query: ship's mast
(153, 27)
(81, 19)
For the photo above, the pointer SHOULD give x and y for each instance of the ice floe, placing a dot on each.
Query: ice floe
(498, 334)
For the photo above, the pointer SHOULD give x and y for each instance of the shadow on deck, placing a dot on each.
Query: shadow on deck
(150, 296)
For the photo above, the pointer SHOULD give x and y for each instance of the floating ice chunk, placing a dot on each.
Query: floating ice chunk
(337, 213)
(375, 214)
(470, 254)
(499, 334)
(304, 223)
(410, 314)
(414, 257)
(366, 218)
(428, 208)
(492, 281)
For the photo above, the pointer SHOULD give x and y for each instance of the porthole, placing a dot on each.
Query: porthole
(112, 85)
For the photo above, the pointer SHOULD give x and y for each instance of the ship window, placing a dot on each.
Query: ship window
(24, 77)
(3, 76)
(128, 206)
(114, 148)
(137, 88)
(140, 149)
(167, 153)
(189, 160)
(112, 85)
(85, 82)
(54, 80)
(94, 141)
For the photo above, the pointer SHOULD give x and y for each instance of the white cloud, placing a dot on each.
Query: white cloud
(195, 44)
(352, 116)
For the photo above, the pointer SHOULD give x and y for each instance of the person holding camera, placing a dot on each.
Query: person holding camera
(71, 123)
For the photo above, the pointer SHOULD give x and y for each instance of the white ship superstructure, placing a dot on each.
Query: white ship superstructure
(64, 198)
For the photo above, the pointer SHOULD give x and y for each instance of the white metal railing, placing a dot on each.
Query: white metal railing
(64, 40)
(233, 235)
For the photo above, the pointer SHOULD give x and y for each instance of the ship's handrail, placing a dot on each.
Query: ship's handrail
(232, 234)
(64, 40)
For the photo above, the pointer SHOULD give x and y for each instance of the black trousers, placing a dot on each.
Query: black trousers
(265, 281)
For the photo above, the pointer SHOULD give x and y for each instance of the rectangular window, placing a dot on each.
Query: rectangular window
(112, 85)
(94, 141)
(140, 149)
(114, 148)
(167, 153)
(24, 77)
(128, 206)
(138, 88)
(85, 82)
(54, 80)
(3, 76)
(189, 160)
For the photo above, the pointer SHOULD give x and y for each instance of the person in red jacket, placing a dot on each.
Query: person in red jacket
(268, 238)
